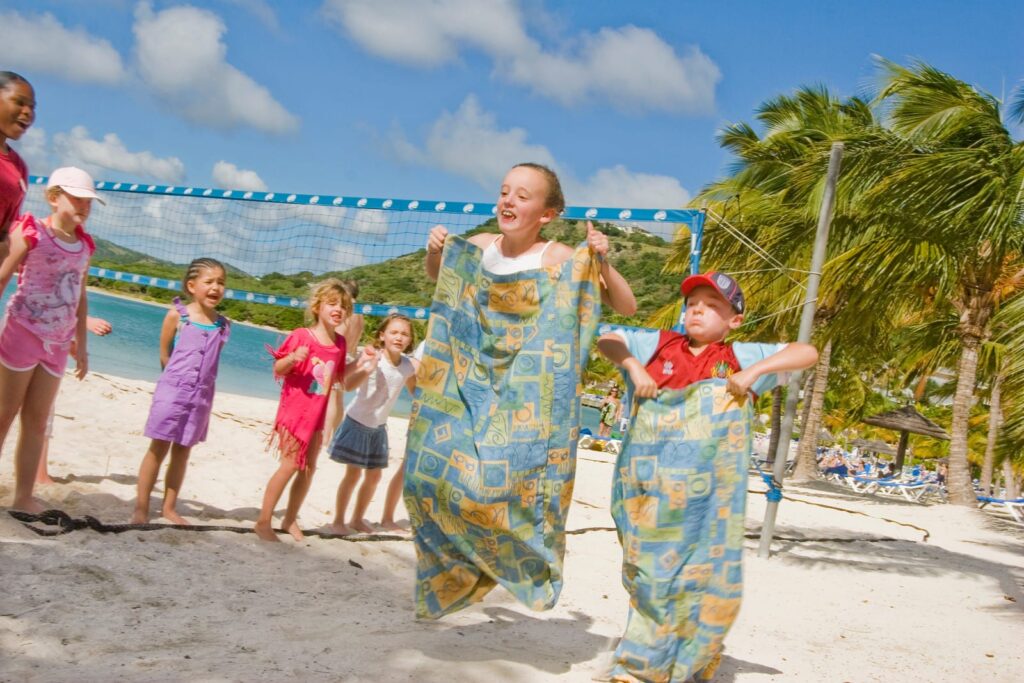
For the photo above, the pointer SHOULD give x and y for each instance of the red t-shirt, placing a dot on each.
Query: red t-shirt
(13, 186)
(673, 366)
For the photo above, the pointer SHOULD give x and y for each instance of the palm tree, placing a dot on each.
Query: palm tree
(945, 199)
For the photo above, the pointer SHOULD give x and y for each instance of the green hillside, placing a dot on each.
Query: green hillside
(398, 281)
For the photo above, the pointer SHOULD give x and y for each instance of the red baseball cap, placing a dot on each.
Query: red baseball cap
(721, 283)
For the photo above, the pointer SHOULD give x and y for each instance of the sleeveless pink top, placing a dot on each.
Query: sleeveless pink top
(50, 281)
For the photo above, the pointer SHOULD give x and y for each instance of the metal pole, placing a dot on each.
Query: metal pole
(806, 328)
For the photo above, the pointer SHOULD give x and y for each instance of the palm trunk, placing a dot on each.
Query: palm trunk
(776, 423)
(961, 492)
(1010, 481)
(995, 419)
(806, 408)
(806, 460)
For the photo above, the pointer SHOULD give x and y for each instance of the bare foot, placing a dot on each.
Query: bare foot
(266, 532)
(174, 518)
(295, 531)
(341, 529)
(44, 478)
(32, 505)
(391, 525)
(140, 517)
(363, 527)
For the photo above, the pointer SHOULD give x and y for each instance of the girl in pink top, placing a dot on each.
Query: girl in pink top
(309, 361)
(17, 112)
(45, 319)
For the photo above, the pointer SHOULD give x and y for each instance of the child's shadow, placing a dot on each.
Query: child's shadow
(551, 644)
(125, 479)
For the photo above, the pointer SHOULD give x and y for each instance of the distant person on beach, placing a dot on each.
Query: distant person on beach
(679, 485)
(361, 443)
(351, 329)
(45, 318)
(492, 437)
(17, 113)
(100, 328)
(309, 361)
(191, 340)
(611, 411)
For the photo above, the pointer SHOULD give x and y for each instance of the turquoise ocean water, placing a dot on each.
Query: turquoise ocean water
(132, 351)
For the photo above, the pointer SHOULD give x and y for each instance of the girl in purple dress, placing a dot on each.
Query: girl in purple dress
(190, 344)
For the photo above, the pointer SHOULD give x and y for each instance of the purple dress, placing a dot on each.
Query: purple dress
(184, 393)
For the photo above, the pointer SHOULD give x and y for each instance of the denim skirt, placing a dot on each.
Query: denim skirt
(356, 444)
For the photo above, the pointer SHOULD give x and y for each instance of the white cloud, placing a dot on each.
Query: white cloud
(429, 33)
(76, 148)
(618, 186)
(34, 149)
(630, 67)
(470, 143)
(227, 175)
(40, 43)
(181, 56)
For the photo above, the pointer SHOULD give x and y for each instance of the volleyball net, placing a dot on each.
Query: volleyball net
(273, 243)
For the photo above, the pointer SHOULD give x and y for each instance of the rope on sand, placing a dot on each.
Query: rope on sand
(65, 524)
(927, 534)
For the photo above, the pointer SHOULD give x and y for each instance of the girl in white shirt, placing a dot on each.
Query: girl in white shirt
(361, 443)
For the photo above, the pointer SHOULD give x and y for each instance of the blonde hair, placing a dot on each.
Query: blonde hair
(383, 326)
(323, 291)
(53, 192)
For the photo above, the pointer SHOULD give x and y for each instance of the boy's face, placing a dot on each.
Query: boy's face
(709, 317)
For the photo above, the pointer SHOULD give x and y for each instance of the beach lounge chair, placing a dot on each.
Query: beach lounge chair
(1015, 506)
(911, 491)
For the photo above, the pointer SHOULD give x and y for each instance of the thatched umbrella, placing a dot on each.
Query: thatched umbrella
(874, 446)
(906, 420)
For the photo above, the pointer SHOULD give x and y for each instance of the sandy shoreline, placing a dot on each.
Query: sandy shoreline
(850, 597)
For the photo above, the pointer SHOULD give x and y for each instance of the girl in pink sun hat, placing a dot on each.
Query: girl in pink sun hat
(45, 321)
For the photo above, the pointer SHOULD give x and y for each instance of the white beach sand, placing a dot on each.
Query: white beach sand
(219, 606)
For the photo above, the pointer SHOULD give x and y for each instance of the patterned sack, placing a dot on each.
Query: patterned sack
(491, 454)
(678, 499)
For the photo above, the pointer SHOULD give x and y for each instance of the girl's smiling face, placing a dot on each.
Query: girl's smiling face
(17, 110)
(331, 312)
(523, 201)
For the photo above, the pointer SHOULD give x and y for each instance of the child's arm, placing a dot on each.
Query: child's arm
(19, 249)
(82, 334)
(167, 331)
(435, 245)
(364, 365)
(284, 364)
(614, 349)
(615, 291)
(795, 356)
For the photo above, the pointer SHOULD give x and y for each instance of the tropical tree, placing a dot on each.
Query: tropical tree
(943, 199)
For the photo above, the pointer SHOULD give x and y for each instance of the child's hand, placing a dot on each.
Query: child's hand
(597, 240)
(81, 360)
(643, 384)
(435, 241)
(368, 359)
(98, 326)
(739, 383)
(300, 354)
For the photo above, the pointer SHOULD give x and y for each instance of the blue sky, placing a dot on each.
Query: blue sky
(436, 98)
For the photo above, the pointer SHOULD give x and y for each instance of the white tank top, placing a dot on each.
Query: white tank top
(495, 262)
